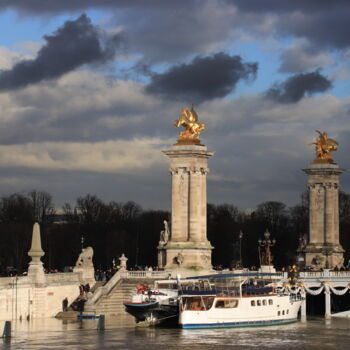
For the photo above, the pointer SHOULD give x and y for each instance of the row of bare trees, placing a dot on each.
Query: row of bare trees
(114, 228)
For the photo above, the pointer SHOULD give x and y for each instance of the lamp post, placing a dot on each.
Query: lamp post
(267, 243)
(240, 248)
(327, 251)
(82, 241)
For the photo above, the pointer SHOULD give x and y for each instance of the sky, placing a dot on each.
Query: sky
(89, 91)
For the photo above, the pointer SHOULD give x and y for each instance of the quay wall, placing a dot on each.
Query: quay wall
(20, 298)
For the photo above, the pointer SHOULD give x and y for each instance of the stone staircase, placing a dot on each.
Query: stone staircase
(108, 299)
(112, 303)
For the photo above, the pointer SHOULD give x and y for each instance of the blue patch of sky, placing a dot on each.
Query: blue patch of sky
(17, 28)
(268, 64)
(341, 86)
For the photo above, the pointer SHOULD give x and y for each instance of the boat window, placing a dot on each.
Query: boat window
(279, 313)
(258, 302)
(270, 302)
(198, 303)
(193, 303)
(226, 303)
(287, 311)
(264, 302)
(208, 302)
(252, 303)
(283, 312)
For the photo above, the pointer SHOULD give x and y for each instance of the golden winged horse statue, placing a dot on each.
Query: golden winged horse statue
(323, 147)
(189, 120)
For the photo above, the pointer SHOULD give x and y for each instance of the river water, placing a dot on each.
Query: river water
(121, 333)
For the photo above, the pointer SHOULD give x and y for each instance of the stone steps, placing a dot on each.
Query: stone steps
(112, 303)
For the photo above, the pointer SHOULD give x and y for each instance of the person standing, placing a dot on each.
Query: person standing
(65, 304)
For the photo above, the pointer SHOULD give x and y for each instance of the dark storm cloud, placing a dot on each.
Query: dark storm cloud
(322, 21)
(74, 44)
(299, 85)
(204, 78)
(325, 23)
(51, 6)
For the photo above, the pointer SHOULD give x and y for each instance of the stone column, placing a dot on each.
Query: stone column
(336, 213)
(313, 213)
(195, 206)
(204, 203)
(327, 294)
(329, 217)
(179, 204)
(323, 245)
(303, 304)
(188, 246)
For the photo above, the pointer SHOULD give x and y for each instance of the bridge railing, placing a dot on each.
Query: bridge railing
(144, 274)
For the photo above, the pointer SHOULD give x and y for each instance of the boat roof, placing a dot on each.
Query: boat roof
(235, 275)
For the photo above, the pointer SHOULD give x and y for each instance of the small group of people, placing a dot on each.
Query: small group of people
(105, 275)
(84, 289)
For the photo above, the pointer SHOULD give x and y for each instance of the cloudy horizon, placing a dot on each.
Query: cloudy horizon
(89, 91)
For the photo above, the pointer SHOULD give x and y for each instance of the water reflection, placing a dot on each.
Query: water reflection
(121, 333)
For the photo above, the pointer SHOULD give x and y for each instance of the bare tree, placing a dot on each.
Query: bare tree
(42, 206)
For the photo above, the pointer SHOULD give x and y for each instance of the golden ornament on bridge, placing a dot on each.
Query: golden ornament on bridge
(324, 146)
(189, 120)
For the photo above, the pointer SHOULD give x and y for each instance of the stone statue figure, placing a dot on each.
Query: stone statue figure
(179, 259)
(85, 266)
(189, 120)
(165, 234)
(85, 258)
(323, 147)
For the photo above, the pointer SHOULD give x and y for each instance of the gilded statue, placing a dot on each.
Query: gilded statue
(189, 120)
(323, 147)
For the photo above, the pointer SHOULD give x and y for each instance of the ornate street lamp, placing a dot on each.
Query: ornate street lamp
(267, 243)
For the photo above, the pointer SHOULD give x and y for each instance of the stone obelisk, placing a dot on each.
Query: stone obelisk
(36, 269)
(323, 248)
(188, 246)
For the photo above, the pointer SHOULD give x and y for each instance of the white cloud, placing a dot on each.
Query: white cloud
(301, 57)
(8, 58)
(107, 157)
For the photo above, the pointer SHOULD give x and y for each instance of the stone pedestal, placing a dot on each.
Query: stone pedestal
(123, 260)
(323, 248)
(188, 246)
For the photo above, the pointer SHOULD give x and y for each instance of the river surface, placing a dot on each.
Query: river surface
(121, 333)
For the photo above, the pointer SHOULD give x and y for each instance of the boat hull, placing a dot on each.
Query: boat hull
(240, 324)
(153, 313)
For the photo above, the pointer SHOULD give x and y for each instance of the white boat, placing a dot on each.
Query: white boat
(237, 303)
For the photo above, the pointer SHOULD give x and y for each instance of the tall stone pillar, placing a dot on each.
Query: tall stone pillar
(188, 246)
(323, 248)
